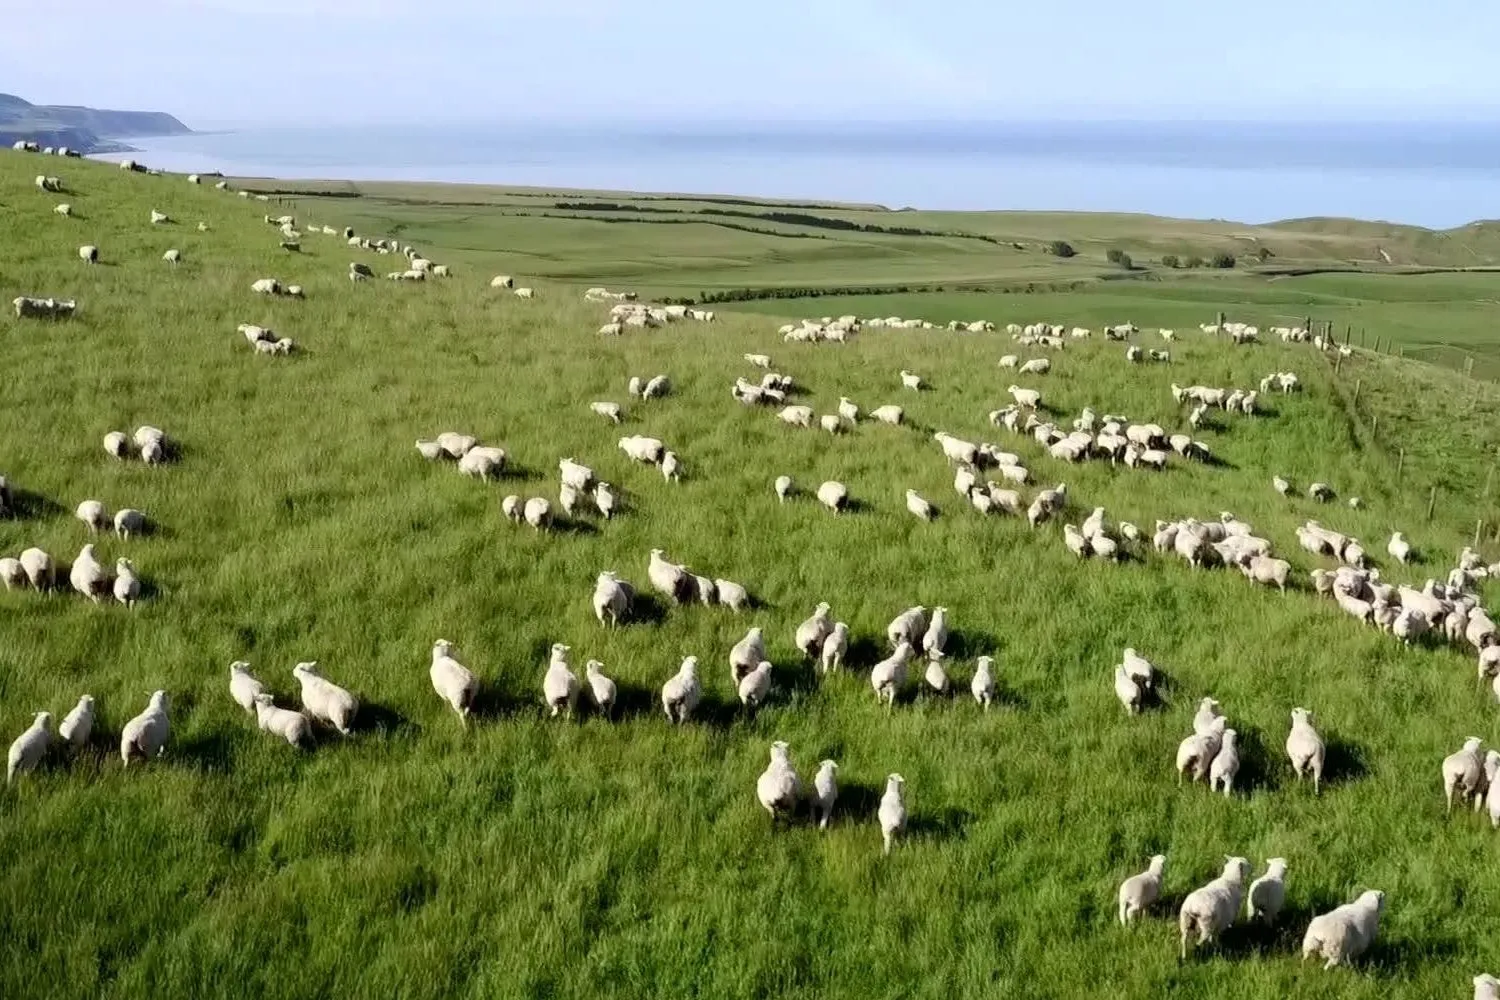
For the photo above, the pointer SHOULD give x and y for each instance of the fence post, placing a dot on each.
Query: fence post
(1478, 529)
(1489, 477)
(1431, 503)
(1358, 384)
(1401, 464)
(1469, 366)
(1338, 359)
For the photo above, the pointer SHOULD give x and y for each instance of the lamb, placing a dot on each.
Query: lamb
(38, 567)
(482, 462)
(172, 256)
(911, 380)
(525, 293)
(538, 513)
(1226, 764)
(294, 727)
(127, 588)
(93, 514)
(324, 700)
(1463, 774)
(746, 654)
(1486, 987)
(892, 810)
(502, 281)
(1305, 749)
(87, 575)
(146, 735)
(1320, 492)
(1267, 893)
(1346, 932)
(114, 444)
(811, 633)
(848, 411)
(909, 626)
(658, 386)
(1029, 398)
(609, 411)
(1398, 548)
(889, 675)
(1138, 892)
(452, 681)
(612, 599)
(560, 684)
(681, 693)
(580, 477)
(78, 725)
(982, 686)
(668, 578)
(1196, 753)
(759, 360)
(835, 645)
(243, 686)
(29, 748)
(834, 496)
(671, 467)
(511, 508)
(643, 449)
(783, 487)
(1208, 911)
(456, 445)
(889, 414)
(797, 416)
(1268, 571)
(266, 286)
(89, 254)
(64, 209)
(825, 792)
(755, 685)
(1132, 693)
(920, 507)
(778, 787)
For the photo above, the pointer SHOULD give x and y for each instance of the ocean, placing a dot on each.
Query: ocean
(1434, 175)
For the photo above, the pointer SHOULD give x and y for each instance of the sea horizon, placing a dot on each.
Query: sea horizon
(1438, 175)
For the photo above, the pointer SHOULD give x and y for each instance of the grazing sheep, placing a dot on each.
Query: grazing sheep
(87, 575)
(482, 462)
(580, 477)
(610, 411)
(1208, 911)
(78, 725)
(39, 569)
(560, 684)
(671, 467)
(11, 573)
(784, 488)
(243, 686)
(455, 445)
(146, 735)
(889, 675)
(936, 675)
(1320, 492)
(811, 633)
(294, 727)
(1226, 764)
(452, 681)
(681, 693)
(911, 380)
(89, 254)
(172, 256)
(796, 416)
(778, 788)
(835, 645)
(643, 449)
(746, 654)
(668, 578)
(605, 499)
(511, 508)
(129, 521)
(127, 586)
(538, 513)
(1267, 893)
(657, 387)
(1486, 987)
(1463, 774)
(755, 685)
(93, 514)
(324, 700)
(115, 444)
(1346, 932)
(888, 414)
(848, 410)
(1138, 892)
(834, 496)
(892, 811)
(29, 748)
(920, 507)
(982, 686)
(732, 595)
(502, 281)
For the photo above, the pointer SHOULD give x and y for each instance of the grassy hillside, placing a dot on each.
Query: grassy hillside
(535, 857)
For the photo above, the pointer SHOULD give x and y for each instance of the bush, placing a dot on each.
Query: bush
(1170, 260)
(1264, 254)
(1119, 257)
(1222, 260)
(1058, 248)
(1194, 261)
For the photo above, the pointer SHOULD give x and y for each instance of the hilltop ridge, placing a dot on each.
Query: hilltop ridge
(89, 130)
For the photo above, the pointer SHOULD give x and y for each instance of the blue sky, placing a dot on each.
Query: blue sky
(242, 62)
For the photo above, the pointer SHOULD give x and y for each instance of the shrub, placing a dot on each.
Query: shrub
(1170, 260)
(1264, 254)
(1194, 261)
(1222, 260)
(1119, 257)
(1058, 248)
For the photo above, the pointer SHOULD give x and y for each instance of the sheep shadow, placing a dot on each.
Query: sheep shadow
(29, 505)
(1344, 761)
(375, 717)
(633, 702)
(646, 609)
(788, 678)
(863, 652)
(521, 473)
(853, 505)
(966, 645)
(574, 526)
(150, 590)
(717, 713)
(947, 823)
(1389, 957)
(207, 752)
(1213, 461)
(857, 801)
(1257, 770)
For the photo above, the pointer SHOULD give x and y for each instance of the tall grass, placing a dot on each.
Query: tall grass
(536, 857)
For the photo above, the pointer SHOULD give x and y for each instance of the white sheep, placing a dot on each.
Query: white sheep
(39, 569)
(681, 693)
(580, 477)
(892, 812)
(127, 587)
(848, 411)
(1463, 774)
(755, 685)
(1267, 893)
(1346, 932)
(1138, 892)
(1208, 911)
(538, 513)
(825, 792)
(294, 727)
(324, 700)
(511, 508)
(146, 735)
(78, 725)
(172, 256)
(909, 626)
(454, 444)
(746, 655)
(28, 749)
(778, 787)
(243, 686)
(834, 496)
(11, 572)
(1398, 548)
(453, 682)
(671, 466)
(129, 521)
(1226, 764)
(525, 293)
(919, 506)
(87, 575)
(811, 633)
(610, 411)
(89, 254)
(796, 416)
(502, 281)
(1486, 987)
(1132, 693)
(888, 414)
(560, 684)
(835, 645)
(911, 380)
(602, 690)
(93, 514)
(482, 462)
(1305, 749)
(643, 449)
(982, 686)
(784, 487)
(1029, 398)
(935, 638)
(889, 675)
(115, 444)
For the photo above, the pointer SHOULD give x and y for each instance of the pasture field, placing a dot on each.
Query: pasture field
(536, 857)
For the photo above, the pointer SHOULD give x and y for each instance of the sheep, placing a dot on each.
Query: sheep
(172, 256)
(1208, 911)
(1463, 774)
(502, 281)
(294, 727)
(1345, 932)
(1267, 893)
(538, 513)
(1196, 753)
(48, 308)
(454, 444)
(243, 686)
(668, 578)
(936, 635)
(146, 735)
(511, 508)
(452, 681)
(656, 387)
(525, 293)
(889, 414)
(909, 626)
(825, 792)
(127, 588)
(11, 573)
(1009, 361)
(920, 507)
(1226, 764)
(89, 254)
(1398, 548)
(1305, 749)
(482, 462)
(323, 700)
(605, 499)
(834, 496)
(732, 595)
(38, 568)
(93, 514)
(1486, 987)
(892, 811)
(833, 647)
(1268, 571)
(1321, 492)
(1036, 366)
(796, 416)
(580, 477)
(956, 450)
(559, 683)
(1130, 691)
(28, 749)
(755, 685)
(1410, 624)
(671, 467)
(746, 655)
(64, 209)
(87, 575)
(681, 693)
(848, 411)
(811, 633)
(778, 787)
(78, 725)
(609, 411)
(1029, 398)
(783, 487)
(889, 675)
(759, 360)
(646, 450)
(935, 674)
(1138, 892)
(911, 380)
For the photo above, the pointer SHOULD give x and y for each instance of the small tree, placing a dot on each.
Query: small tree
(1264, 254)
(1058, 248)
(1223, 260)
(1193, 261)
(1119, 257)
(1170, 260)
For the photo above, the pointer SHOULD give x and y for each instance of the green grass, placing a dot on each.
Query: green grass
(529, 857)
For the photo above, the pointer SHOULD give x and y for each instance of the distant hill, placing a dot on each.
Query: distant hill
(89, 130)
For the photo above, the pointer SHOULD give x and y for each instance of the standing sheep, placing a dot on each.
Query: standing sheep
(892, 810)
(612, 598)
(1463, 774)
(39, 569)
(146, 735)
(1267, 893)
(1138, 892)
(1305, 749)
(602, 690)
(1346, 932)
(746, 654)
(243, 687)
(825, 792)
(755, 685)
(784, 488)
(453, 682)
(983, 684)
(538, 513)
(127, 585)
(1210, 910)
(29, 748)
(778, 788)
(87, 575)
(811, 633)
(560, 684)
(835, 645)
(681, 693)
(324, 700)
(78, 725)
(1226, 764)
(93, 514)
(889, 675)
(834, 496)
(129, 521)
(294, 727)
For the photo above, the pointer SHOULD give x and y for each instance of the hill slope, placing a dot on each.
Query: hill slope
(532, 856)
